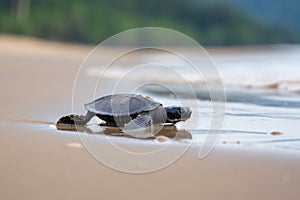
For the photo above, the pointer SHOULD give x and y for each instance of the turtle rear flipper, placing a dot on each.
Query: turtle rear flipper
(139, 127)
(76, 119)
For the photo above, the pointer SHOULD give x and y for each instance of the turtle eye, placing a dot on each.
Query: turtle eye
(178, 111)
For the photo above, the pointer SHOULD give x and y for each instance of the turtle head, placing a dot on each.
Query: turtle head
(176, 114)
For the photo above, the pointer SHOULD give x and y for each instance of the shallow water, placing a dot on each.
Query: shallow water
(262, 93)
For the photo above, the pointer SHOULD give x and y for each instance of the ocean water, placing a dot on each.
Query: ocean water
(274, 67)
(259, 92)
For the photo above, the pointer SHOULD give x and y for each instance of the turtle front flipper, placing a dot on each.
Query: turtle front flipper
(139, 127)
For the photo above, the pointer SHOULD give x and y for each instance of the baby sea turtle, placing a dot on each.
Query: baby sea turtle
(128, 111)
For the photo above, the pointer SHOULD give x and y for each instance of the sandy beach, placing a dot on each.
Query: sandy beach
(41, 162)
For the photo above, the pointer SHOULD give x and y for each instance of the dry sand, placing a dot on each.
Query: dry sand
(40, 162)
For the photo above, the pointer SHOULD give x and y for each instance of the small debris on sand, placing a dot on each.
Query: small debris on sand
(276, 133)
(74, 145)
(162, 138)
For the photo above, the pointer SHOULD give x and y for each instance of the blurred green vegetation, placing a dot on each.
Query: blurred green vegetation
(280, 12)
(92, 21)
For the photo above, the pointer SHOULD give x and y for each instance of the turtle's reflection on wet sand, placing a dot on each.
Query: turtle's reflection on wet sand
(169, 131)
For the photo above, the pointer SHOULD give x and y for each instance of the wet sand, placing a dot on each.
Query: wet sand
(40, 162)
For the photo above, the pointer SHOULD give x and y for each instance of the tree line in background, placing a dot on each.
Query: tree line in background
(91, 21)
